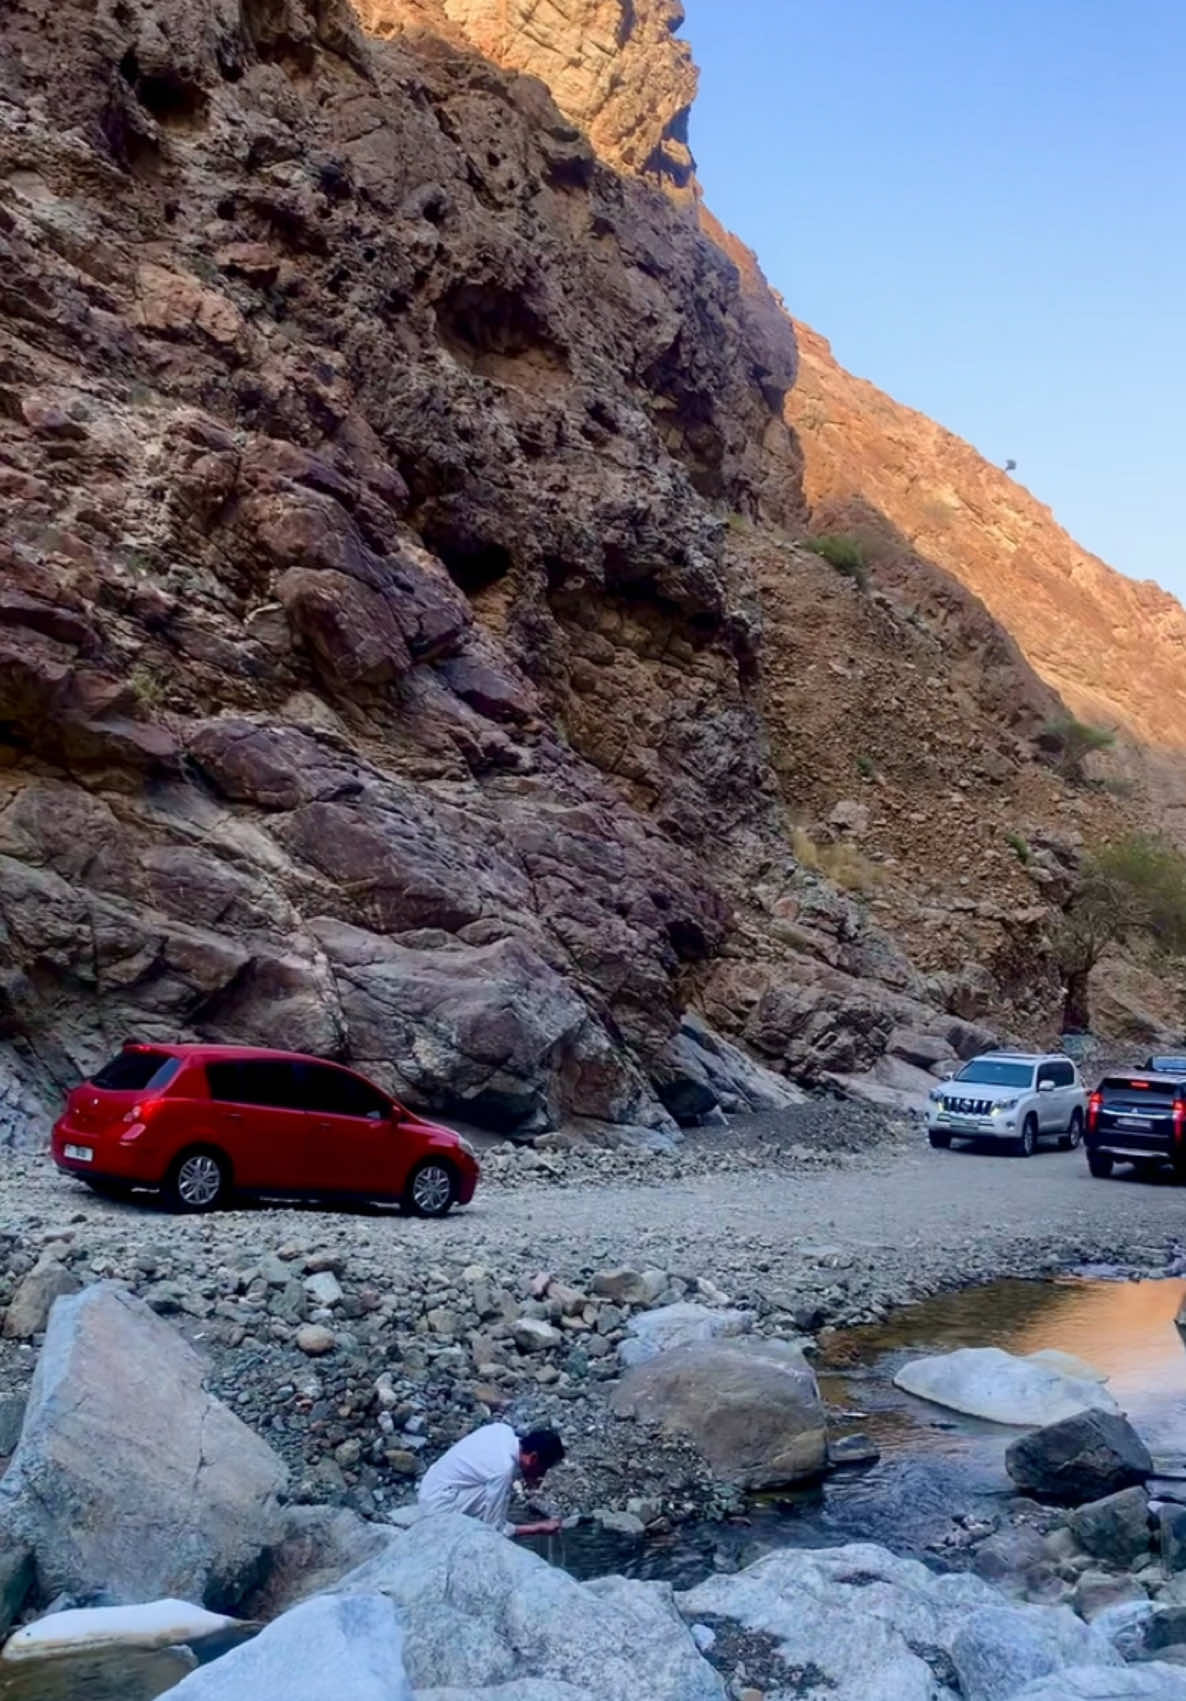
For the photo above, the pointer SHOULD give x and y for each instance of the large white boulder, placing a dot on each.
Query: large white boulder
(129, 1477)
(868, 1626)
(986, 1382)
(484, 1618)
(333, 1648)
(653, 1332)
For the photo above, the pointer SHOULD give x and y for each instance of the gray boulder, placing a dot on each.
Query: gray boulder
(327, 1649)
(16, 1578)
(129, 1477)
(1126, 1625)
(698, 1073)
(1002, 1648)
(872, 1627)
(319, 1545)
(653, 1332)
(751, 1407)
(1010, 1556)
(1081, 1458)
(1097, 1592)
(1094, 1683)
(485, 1618)
(630, 1287)
(1171, 1525)
(30, 1306)
(12, 1416)
(1115, 1528)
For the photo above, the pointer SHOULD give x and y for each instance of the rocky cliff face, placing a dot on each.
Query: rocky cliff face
(375, 678)
(617, 68)
(394, 497)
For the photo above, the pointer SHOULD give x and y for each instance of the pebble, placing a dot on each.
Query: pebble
(314, 1340)
(323, 1288)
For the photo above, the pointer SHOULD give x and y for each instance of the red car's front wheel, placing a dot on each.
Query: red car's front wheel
(431, 1189)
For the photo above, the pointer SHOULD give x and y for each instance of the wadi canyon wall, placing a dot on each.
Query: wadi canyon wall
(405, 652)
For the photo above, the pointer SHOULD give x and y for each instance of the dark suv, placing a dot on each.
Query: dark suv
(198, 1122)
(1139, 1118)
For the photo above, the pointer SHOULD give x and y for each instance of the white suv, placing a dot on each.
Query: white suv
(1013, 1096)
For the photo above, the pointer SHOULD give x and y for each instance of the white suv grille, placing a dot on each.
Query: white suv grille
(968, 1107)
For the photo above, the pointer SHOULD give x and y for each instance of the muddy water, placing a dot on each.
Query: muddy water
(935, 1463)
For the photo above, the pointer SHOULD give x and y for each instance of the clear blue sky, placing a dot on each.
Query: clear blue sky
(982, 204)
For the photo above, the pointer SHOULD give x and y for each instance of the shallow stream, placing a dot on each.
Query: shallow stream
(934, 1463)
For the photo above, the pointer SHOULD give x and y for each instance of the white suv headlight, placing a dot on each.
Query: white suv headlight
(1004, 1104)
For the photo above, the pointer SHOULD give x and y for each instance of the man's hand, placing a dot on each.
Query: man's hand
(548, 1527)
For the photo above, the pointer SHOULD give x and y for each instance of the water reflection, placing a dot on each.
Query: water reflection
(132, 1674)
(1126, 1330)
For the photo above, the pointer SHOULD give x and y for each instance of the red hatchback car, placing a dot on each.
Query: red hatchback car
(199, 1122)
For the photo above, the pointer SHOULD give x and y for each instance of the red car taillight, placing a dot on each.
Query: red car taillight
(1093, 1109)
(1179, 1119)
(137, 1119)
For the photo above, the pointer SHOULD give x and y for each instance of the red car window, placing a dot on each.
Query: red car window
(136, 1072)
(335, 1093)
(275, 1084)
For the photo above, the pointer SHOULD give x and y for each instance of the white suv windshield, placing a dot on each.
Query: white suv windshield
(990, 1074)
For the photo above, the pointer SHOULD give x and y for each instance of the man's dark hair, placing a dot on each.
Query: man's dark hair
(546, 1446)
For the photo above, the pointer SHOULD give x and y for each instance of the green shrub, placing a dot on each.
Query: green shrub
(1019, 847)
(1072, 741)
(843, 552)
(865, 767)
(148, 687)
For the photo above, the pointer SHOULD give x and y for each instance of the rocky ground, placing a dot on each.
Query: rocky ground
(360, 1343)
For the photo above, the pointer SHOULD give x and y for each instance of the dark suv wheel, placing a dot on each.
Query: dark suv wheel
(1027, 1141)
(1100, 1164)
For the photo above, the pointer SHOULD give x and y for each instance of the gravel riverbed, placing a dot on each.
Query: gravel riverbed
(823, 1217)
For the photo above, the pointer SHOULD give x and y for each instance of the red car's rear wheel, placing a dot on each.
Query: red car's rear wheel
(199, 1180)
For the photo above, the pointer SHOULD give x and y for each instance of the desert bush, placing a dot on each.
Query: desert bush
(841, 863)
(843, 552)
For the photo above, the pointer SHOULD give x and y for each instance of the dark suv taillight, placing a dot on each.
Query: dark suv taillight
(1093, 1111)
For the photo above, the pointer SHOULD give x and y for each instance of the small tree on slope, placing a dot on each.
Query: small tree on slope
(1135, 887)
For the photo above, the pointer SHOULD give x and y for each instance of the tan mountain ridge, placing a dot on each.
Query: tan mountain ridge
(1114, 648)
(405, 648)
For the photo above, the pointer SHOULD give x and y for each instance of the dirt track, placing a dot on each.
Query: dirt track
(875, 1231)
